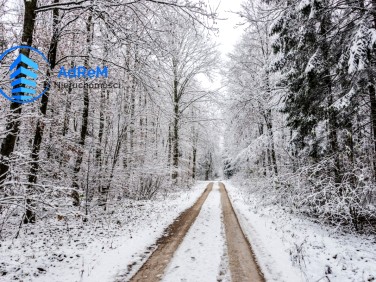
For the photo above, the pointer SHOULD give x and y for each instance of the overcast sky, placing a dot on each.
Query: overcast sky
(229, 34)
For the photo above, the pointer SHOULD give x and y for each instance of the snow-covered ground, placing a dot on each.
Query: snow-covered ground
(293, 249)
(74, 251)
(288, 247)
(202, 255)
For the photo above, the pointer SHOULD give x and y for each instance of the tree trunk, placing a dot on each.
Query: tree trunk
(106, 189)
(98, 153)
(194, 153)
(263, 161)
(175, 133)
(85, 114)
(68, 103)
(44, 101)
(169, 146)
(13, 121)
(132, 118)
(269, 127)
(325, 81)
(208, 167)
(38, 136)
(372, 98)
(327, 85)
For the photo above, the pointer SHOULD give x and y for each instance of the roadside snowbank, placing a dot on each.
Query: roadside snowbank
(74, 251)
(293, 249)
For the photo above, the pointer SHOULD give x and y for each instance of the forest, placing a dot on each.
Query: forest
(138, 104)
(302, 113)
(87, 147)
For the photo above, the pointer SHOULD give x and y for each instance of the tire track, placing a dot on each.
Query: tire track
(152, 270)
(243, 265)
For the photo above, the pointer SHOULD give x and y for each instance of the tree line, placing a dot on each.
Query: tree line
(81, 148)
(302, 108)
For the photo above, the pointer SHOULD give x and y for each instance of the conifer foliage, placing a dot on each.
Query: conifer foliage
(319, 82)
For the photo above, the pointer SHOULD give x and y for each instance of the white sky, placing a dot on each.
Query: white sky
(229, 33)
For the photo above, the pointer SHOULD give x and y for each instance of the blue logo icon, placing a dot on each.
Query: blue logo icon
(23, 76)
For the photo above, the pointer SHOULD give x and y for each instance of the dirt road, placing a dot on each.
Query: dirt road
(243, 266)
(241, 261)
(152, 270)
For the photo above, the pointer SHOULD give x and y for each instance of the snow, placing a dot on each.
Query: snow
(363, 42)
(303, 4)
(287, 247)
(73, 251)
(201, 254)
(344, 101)
(312, 63)
(293, 248)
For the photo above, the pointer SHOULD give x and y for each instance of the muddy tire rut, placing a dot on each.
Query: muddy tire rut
(242, 263)
(152, 270)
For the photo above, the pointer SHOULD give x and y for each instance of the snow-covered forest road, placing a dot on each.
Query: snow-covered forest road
(201, 255)
(188, 140)
(189, 236)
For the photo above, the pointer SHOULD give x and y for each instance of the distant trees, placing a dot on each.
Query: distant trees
(253, 101)
(187, 53)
